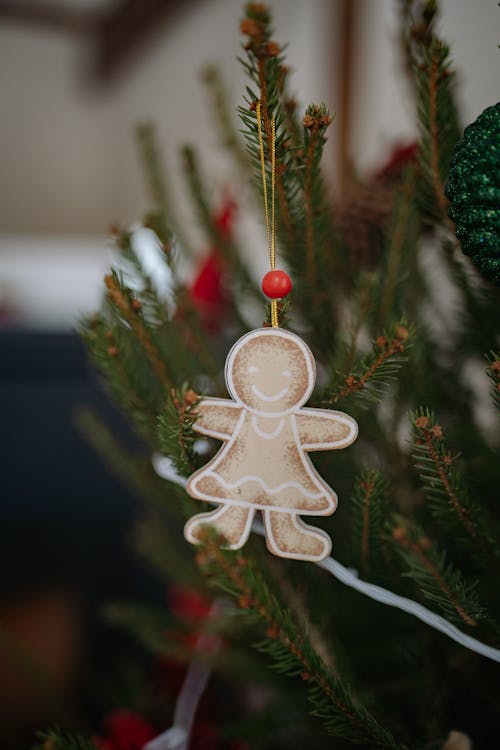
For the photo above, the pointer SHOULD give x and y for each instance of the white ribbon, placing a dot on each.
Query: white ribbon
(350, 578)
(193, 687)
(179, 734)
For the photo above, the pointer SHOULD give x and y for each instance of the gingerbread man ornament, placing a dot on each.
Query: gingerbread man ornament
(267, 435)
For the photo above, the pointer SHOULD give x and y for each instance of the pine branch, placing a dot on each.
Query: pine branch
(184, 335)
(316, 121)
(293, 124)
(150, 626)
(290, 648)
(493, 371)
(264, 67)
(56, 739)
(161, 219)
(361, 308)
(223, 117)
(369, 378)
(161, 543)
(199, 193)
(402, 241)
(146, 296)
(157, 538)
(151, 159)
(194, 336)
(305, 227)
(267, 97)
(445, 489)
(417, 24)
(322, 276)
(125, 304)
(111, 353)
(439, 130)
(294, 599)
(480, 303)
(283, 308)
(136, 323)
(135, 471)
(369, 513)
(175, 428)
(435, 172)
(436, 578)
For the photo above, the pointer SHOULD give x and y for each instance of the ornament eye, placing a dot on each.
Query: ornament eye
(252, 368)
(287, 373)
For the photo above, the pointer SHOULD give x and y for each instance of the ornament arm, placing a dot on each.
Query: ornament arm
(322, 429)
(217, 417)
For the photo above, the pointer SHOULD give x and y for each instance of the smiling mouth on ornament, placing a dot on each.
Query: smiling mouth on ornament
(270, 399)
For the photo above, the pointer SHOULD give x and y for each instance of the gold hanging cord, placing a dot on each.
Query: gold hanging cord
(270, 225)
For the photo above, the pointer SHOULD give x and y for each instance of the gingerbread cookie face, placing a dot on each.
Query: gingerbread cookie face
(270, 371)
(267, 434)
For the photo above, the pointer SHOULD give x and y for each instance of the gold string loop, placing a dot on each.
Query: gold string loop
(270, 224)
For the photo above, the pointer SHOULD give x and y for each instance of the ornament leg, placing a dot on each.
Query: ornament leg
(232, 521)
(288, 536)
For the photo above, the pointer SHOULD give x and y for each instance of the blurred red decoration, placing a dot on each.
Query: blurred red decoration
(207, 290)
(364, 212)
(125, 730)
(188, 604)
(399, 158)
(194, 609)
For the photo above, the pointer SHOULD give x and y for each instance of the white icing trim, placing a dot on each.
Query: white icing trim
(210, 469)
(270, 399)
(261, 506)
(329, 493)
(333, 416)
(280, 333)
(267, 435)
(303, 528)
(222, 436)
(215, 461)
(212, 516)
(263, 484)
(215, 402)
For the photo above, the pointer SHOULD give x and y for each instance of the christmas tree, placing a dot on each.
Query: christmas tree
(396, 317)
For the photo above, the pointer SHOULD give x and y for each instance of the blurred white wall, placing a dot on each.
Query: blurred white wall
(68, 157)
(56, 140)
(68, 161)
(382, 109)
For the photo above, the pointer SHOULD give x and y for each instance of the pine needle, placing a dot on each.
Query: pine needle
(370, 376)
(438, 580)
(445, 489)
(369, 513)
(290, 648)
(56, 739)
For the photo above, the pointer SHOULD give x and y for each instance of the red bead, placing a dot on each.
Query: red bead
(276, 284)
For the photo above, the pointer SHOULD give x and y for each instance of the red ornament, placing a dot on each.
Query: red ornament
(187, 604)
(276, 284)
(126, 730)
(207, 290)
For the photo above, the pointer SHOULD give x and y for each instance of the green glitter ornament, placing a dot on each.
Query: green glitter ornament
(474, 192)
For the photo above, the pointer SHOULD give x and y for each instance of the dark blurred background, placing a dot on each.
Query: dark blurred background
(65, 524)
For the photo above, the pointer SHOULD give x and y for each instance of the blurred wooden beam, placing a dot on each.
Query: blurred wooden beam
(120, 31)
(348, 19)
(128, 27)
(51, 15)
